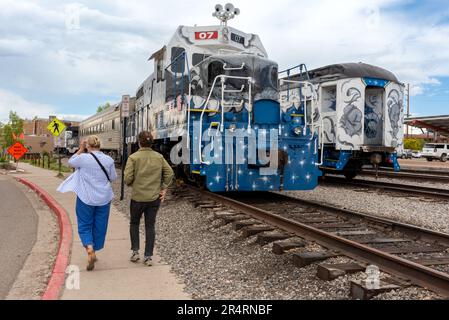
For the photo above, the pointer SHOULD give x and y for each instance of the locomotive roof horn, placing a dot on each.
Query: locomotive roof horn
(227, 13)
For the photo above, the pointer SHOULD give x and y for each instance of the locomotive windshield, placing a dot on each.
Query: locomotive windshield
(263, 72)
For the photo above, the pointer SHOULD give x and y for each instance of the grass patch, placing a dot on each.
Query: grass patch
(53, 166)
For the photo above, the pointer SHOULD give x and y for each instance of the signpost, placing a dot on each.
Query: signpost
(17, 150)
(125, 115)
(56, 127)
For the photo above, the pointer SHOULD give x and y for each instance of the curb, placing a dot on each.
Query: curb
(57, 278)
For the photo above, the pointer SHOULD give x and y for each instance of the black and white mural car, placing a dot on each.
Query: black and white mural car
(358, 111)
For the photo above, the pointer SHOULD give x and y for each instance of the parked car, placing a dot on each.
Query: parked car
(406, 154)
(416, 154)
(437, 151)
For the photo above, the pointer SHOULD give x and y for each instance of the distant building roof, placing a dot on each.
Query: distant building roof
(438, 124)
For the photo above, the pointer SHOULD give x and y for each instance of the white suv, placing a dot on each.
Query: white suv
(436, 151)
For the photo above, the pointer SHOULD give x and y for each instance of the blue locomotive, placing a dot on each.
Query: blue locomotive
(212, 105)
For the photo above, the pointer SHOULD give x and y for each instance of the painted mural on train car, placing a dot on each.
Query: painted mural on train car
(358, 112)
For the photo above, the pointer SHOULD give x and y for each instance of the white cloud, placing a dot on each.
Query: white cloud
(108, 54)
(10, 101)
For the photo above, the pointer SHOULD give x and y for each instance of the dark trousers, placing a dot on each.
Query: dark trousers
(150, 210)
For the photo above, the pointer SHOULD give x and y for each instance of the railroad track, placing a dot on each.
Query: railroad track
(429, 175)
(407, 189)
(408, 252)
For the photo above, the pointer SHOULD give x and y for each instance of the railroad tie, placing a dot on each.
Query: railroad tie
(255, 229)
(329, 272)
(238, 225)
(360, 290)
(280, 247)
(267, 237)
(234, 217)
(223, 214)
(303, 259)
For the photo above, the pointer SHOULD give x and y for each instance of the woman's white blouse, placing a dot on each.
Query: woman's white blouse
(88, 181)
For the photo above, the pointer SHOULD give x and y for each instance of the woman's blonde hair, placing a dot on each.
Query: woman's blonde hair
(94, 142)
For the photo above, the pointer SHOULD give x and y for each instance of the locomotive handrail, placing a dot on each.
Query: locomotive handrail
(300, 66)
(222, 78)
(314, 100)
(233, 68)
(235, 91)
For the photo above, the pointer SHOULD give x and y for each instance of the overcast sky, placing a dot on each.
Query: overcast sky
(50, 66)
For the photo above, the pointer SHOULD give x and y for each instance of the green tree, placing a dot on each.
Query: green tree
(103, 107)
(13, 127)
(414, 144)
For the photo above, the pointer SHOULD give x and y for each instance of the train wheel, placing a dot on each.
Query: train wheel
(193, 179)
(349, 175)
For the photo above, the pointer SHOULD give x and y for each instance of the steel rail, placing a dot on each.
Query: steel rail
(433, 176)
(405, 188)
(418, 274)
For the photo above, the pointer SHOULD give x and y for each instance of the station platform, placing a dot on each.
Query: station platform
(114, 277)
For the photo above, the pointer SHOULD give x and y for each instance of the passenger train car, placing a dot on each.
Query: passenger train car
(358, 110)
(107, 125)
(212, 105)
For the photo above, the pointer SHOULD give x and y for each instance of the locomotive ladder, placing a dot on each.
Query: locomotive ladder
(302, 85)
(222, 105)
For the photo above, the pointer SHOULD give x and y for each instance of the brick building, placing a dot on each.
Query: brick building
(38, 126)
(38, 138)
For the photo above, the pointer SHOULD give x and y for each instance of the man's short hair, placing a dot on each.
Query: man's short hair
(145, 139)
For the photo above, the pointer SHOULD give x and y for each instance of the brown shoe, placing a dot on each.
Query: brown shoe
(90, 259)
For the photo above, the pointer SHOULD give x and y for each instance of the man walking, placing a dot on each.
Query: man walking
(150, 175)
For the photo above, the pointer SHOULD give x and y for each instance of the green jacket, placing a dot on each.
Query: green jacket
(148, 173)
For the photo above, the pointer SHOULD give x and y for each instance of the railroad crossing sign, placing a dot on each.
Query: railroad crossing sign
(17, 150)
(56, 127)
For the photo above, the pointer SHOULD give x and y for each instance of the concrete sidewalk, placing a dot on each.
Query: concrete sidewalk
(114, 277)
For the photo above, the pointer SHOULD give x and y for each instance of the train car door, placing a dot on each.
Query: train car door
(350, 114)
(394, 115)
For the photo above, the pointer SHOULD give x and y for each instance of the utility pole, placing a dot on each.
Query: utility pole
(124, 112)
(408, 109)
(124, 157)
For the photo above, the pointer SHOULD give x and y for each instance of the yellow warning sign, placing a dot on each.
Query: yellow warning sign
(56, 127)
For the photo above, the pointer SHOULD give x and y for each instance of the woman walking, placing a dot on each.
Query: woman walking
(91, 183)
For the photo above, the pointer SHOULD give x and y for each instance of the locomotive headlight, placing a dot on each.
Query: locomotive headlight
(297, 130)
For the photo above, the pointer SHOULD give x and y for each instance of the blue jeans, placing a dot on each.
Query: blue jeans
(92, 224)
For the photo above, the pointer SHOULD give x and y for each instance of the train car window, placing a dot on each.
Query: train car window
(198, 58)
(178, 65)
(113, 124)
(139, 93)
(215, 69)
(160, 70)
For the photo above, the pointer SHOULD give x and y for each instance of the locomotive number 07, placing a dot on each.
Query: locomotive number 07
(206, 35)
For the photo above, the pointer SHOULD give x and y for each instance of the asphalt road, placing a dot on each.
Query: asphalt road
(18, 231)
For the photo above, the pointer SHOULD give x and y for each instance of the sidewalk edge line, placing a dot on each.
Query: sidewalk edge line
(57, 278)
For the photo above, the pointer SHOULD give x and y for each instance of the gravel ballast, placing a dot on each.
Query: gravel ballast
(215, 262)
(419, 211)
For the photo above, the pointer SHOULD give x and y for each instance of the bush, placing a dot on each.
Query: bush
(414, 144)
